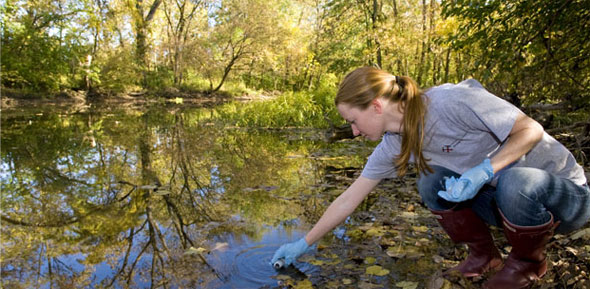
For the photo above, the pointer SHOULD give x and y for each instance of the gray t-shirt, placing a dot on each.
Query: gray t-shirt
(466, 124)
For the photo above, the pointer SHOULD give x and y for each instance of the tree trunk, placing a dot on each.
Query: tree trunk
(423, 52)
(141, 26)
(374, 18)
(447, 63)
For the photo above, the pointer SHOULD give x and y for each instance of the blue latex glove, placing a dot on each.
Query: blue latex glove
(290, 251)
(467, 186)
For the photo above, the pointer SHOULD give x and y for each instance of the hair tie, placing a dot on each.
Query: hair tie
(397, 80)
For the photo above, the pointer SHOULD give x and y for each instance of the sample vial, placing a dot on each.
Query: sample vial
(278, 264)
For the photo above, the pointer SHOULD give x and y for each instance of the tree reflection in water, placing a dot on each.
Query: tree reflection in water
(155, 198)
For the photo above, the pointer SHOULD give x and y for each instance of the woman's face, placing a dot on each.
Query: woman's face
(368, 122)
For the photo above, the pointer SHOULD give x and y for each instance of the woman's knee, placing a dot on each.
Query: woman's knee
(518, 185)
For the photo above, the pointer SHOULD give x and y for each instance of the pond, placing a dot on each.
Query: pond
(168, 197)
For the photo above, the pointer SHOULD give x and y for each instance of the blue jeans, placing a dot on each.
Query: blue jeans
(524, 195)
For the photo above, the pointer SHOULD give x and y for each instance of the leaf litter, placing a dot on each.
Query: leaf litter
(392, 241)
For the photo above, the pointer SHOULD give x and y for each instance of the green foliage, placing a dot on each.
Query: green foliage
(39, 51)
(118, 74)
(160, 77)
(291, 109)
(534, 48)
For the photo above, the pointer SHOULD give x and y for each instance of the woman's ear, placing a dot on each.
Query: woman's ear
(378, 105)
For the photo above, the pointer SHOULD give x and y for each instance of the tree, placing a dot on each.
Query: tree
(40, 50)
(180, 15)
(240, 28)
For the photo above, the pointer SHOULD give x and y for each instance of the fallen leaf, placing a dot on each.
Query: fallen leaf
(395, 253)
(581, 234)
(407, 284)
(421, 229)
(376, 270)
(374, 232)
(572, 250)
(438, 259)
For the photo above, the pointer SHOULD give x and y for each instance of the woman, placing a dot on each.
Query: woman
(480, 159)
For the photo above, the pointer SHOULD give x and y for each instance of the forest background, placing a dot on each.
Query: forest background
(532, 52)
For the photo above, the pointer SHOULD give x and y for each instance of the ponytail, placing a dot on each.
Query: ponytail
(410, 97)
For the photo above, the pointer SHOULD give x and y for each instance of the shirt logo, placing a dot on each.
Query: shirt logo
(447, 148)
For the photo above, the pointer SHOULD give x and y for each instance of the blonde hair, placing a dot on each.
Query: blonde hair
(361, 86)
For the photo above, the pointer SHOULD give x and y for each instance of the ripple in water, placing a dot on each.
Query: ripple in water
(246, 264)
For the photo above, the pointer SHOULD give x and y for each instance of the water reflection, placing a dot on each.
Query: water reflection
(156, 198)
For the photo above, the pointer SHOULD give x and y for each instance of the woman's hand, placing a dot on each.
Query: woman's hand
(290, 251)
(467, 186)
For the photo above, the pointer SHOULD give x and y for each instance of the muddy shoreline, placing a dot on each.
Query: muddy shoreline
(79, 100)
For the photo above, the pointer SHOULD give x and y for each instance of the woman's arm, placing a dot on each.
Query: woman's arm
(525, 134)
(341, 208)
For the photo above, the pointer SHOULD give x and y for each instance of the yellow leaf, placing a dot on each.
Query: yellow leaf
(193, 251)
(346, 281)
(282, 277)
(421, 229)
(316, 262)
(376, 270)
(374, 232)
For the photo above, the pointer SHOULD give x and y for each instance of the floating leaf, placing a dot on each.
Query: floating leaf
(193, 251)
(221, 246)
(376, 270)
(370, 260)
(282, 277)
(346, 281)
(148, 187)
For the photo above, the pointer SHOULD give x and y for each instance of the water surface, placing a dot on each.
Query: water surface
(160, 197)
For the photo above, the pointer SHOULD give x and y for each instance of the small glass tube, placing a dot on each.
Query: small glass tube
(279, 264)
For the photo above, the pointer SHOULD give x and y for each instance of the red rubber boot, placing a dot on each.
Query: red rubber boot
(464, 226)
